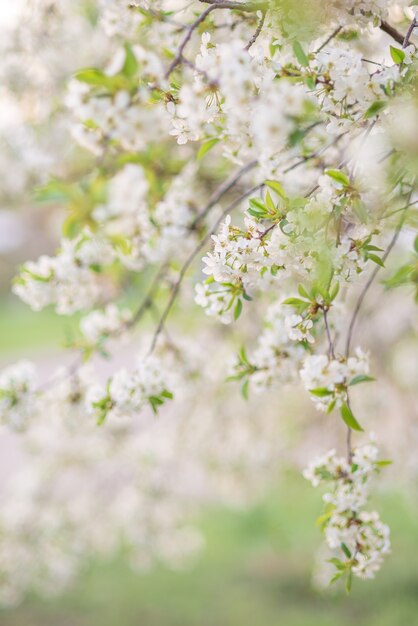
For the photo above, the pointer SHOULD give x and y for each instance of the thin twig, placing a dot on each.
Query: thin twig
(372, 277)
(148, 300)
(257, 32)
(179, 56)
(330, 38)
(246, 7)
(330, 342)
(190, 258)
(221, 191)
(409, 32)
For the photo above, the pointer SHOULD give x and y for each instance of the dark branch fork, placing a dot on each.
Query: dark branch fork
(246, 7)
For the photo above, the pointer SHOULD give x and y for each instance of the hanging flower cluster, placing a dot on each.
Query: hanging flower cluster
(358, 538)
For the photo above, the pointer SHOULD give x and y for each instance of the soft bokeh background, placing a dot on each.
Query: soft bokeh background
(256, 567)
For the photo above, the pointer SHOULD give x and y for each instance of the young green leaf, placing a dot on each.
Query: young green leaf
(374, 109)
(338, 176)
(206, 147)
(376, 259)
(397, 55)
(238, 309)
(349, 418)
(300, 54)
(275, 186)
(320, 392)
(346, 551)
(361, 378)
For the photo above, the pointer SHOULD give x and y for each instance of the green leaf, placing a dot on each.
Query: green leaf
(273, 184)
(243, 355)
(238, 309)
(346, 550)
(339, 176)
(300, 54)
(155, 403)
(269, 203)
(416, 244)
(402, 276)
(349, 418)
(397, 55)
(336, 577)
(205, 147)
(302, 291)
(93, 76)
(383, 463)
(295, 302)
(361, 378)
(375, 108)
(257, 204)
(70, 227)
(331, 406)
(334, 291)
(376, 259)
(321, 392)
(55, 191)
(244, 389)
(167, 394)
(130, 67)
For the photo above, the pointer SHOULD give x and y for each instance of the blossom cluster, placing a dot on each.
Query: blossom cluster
(358, 537)
(17, 394)
(327, 379)
(71, 280)
(127, 393)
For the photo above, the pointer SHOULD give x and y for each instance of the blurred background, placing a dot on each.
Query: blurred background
(257, 561)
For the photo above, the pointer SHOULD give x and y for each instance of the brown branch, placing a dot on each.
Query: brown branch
(392, 32)
(409, 32)
(246, 7)
(179, 56)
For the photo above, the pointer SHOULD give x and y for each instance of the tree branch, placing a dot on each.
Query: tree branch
(246, 7)
(221, 191)
(409, 32)
(392, 32)
(257, 32)
(371, 279)
(189, 260)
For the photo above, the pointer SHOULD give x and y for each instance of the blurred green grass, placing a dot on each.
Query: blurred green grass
(255, 571)
(24, 332)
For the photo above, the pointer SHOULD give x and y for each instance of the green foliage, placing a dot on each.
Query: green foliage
(397, 55)
(300, 54)
(349, 418)
(375, 108)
